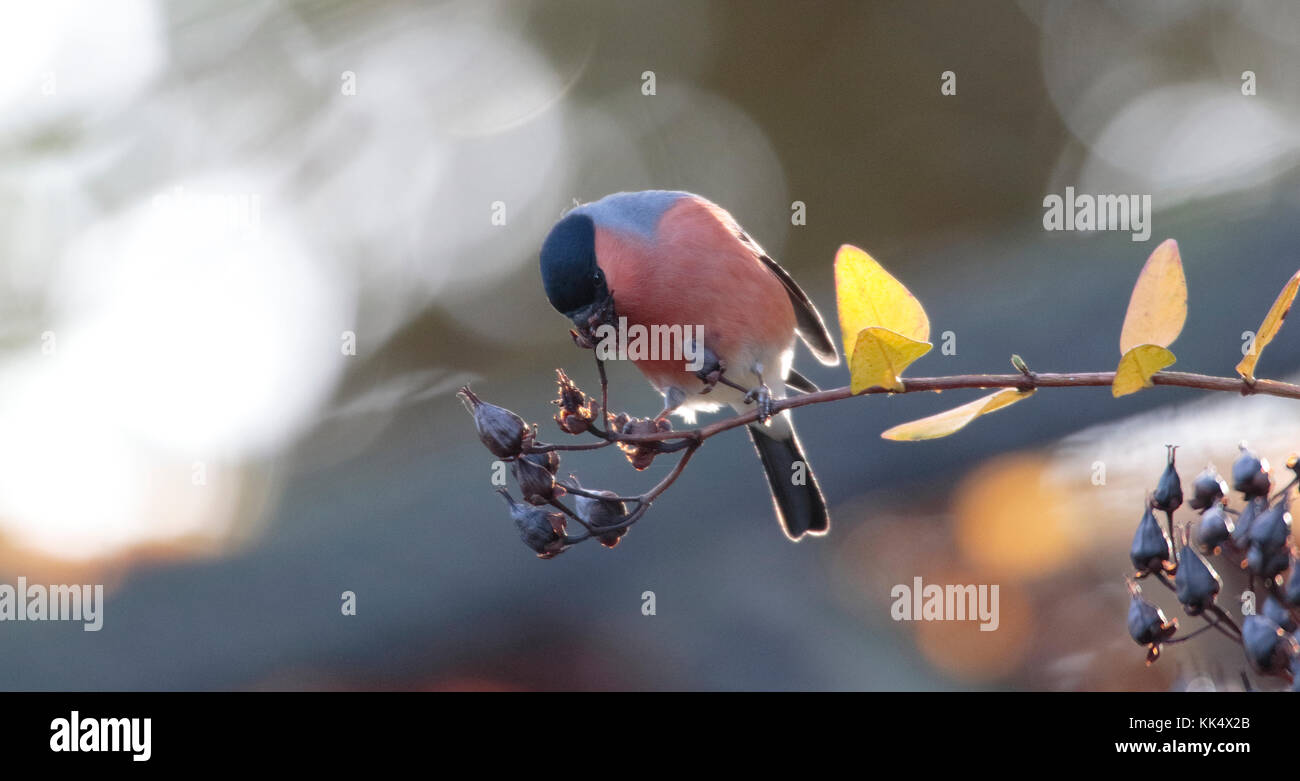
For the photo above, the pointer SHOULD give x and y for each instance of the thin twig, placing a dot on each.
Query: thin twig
(1210, 624)
(557, 503)
(535, 448)
(690, 440)
(1020, 381)
(1173, 541)
(1227, 619)
(1284, 489)
(580, 491)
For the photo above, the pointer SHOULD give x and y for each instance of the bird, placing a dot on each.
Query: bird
(669, 257)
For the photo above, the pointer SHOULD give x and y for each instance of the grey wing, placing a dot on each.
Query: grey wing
(808, 321)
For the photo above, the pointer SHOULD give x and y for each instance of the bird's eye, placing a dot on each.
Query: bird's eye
(597, 276)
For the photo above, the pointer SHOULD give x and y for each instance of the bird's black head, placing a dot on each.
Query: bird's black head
(574, 283)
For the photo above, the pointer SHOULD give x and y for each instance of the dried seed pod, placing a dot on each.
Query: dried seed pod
(1207, 489)
(501, 431)
(1151, 546)
(642, 458)
(540, 530)
(571, 423)
(1291, 592)
(1250, 474)
(548, 460)
(1196, 582)
(1268, 648)
(1280, 614)
(1147, 624)
(642, 455)
(1241, 529)
(577, 410)
(1168, 495)
(1271, 528)
(535, 483)
(603, 512)
(1215, 527)
(1265, 563)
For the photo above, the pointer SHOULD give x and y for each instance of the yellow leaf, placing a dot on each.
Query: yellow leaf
(1272, 323)
(880, 356)
(1137, 366)
(945, 423)
(868, 296)
(1158, 307)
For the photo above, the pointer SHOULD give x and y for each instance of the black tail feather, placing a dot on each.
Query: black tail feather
(800, 383)
(799, 503)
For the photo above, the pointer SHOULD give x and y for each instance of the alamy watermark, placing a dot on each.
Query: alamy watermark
(922, 602)
(639, 342)
(37, 602)
(1084, 212)
(76, 733)
(237, 214)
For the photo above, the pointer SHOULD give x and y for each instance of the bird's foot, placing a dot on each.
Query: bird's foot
(762, 395)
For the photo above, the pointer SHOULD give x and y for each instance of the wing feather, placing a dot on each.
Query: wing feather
(809, 324)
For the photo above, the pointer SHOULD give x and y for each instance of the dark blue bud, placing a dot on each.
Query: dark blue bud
(1207, 489)
(540, 530)
(1267, 564)
(1215, 527)
(1250, 474)
(1279, 614)
(501, 431)
(1151, 548)
(1241, 530)
(1291, 593)
(535, 483)
(1169, 491)
(1271, 528)
(1262, 639)
(549, 460)
(603, 512)
(1146, 622)
(1196, 582)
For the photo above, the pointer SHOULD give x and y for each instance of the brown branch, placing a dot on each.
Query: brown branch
(691, 440)
(1022, 381)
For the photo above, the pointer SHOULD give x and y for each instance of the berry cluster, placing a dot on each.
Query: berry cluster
(542, 518)
(1253, 541)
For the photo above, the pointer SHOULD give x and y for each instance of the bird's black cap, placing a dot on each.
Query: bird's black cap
(572, 280)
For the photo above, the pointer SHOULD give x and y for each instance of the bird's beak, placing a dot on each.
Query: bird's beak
(592, 316)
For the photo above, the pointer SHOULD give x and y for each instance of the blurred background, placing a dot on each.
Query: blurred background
(248, 251)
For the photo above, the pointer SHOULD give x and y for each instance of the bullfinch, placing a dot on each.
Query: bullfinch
(670, 258)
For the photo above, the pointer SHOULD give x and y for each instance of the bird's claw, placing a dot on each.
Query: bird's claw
(762, 395)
